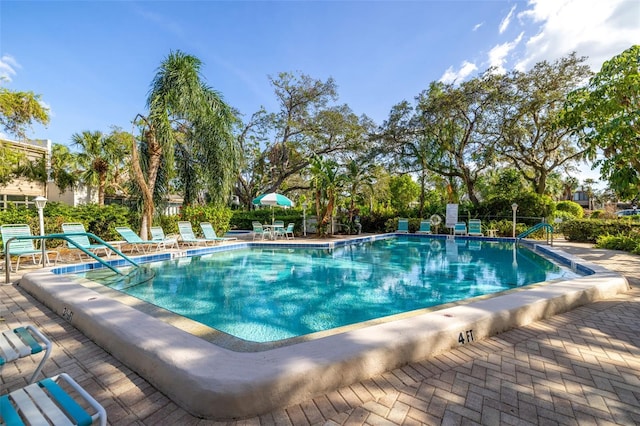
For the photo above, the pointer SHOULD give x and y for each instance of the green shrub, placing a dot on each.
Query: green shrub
(619, 242)
(574, 209)
(219, 217)
(588, 230)
(563, 216)
(169, 224)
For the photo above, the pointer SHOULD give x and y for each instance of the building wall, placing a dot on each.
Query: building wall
(21, 191)
(73, 197)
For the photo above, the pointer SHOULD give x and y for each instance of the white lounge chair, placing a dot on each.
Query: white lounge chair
(187, 235)
(157, 234)
(49, 402)
(135, 241)
(210, 233)
(21, 342)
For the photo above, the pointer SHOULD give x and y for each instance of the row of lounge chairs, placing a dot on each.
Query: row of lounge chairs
(76, 233)
(160, 241)
(460, 228)
(57, 400)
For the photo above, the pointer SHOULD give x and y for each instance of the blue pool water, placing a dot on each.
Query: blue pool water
(265, 295)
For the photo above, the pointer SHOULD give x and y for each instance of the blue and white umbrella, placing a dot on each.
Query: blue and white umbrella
(272, 199)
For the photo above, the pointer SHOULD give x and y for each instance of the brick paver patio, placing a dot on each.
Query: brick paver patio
(581, 367)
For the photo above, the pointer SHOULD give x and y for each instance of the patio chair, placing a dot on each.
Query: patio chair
(49, 402)
(460, 228)
(210, 233)
(187, 235)
(258, 230)
(157, 234)
(82, 241)
(403, 225)
(22, 342)
(278, 229)
(22, 248)
(475, 228)
(425, 227)
(288, 232)
(135, 241)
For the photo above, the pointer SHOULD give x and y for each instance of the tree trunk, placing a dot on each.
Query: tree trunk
(101, 185)
(147, 188)
(541, 184)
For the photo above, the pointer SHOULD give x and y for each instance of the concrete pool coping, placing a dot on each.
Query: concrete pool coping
(217, 383)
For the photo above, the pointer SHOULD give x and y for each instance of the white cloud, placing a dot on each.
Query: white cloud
(498, 54)
(451, 76)
(506, 21)
(477, 26)
(8, 66)
(594, 28)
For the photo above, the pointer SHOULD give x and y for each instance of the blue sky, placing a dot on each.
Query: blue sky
(92, 62)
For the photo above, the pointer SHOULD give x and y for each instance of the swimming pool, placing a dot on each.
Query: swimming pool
(214, 381)
(266, 295)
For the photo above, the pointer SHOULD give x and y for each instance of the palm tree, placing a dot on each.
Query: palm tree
(357, 174)
(64, 166)
(326, 180)
(183, 110)
(99, 155)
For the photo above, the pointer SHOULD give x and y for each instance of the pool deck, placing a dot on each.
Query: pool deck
(578, 367)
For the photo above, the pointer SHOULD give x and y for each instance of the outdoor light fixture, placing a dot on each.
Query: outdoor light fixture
(514, 207)
(304, 219)
(40, 202)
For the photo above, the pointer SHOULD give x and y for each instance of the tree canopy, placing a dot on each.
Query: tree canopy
(606, 116)
(19, 110)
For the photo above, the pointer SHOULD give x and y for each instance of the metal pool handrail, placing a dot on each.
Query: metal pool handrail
(7, 260)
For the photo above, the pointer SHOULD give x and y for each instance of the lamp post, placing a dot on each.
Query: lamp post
(40, 202)
(304, 219)
(514, 207)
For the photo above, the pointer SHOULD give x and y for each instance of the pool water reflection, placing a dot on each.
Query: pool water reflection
(265, 295)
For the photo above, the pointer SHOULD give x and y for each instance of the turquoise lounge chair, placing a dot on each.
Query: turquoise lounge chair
(460, 228)
(475, 228)
(82, 241)
(157, 234)
(210, 233)
(187, 235)
(22, 248)
(135, 241)
(425, 227)
(403, 225)
(46, 402)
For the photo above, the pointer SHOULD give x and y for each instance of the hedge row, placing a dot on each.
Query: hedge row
(588, 230)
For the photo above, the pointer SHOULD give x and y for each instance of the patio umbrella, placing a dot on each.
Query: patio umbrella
(272, 199)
